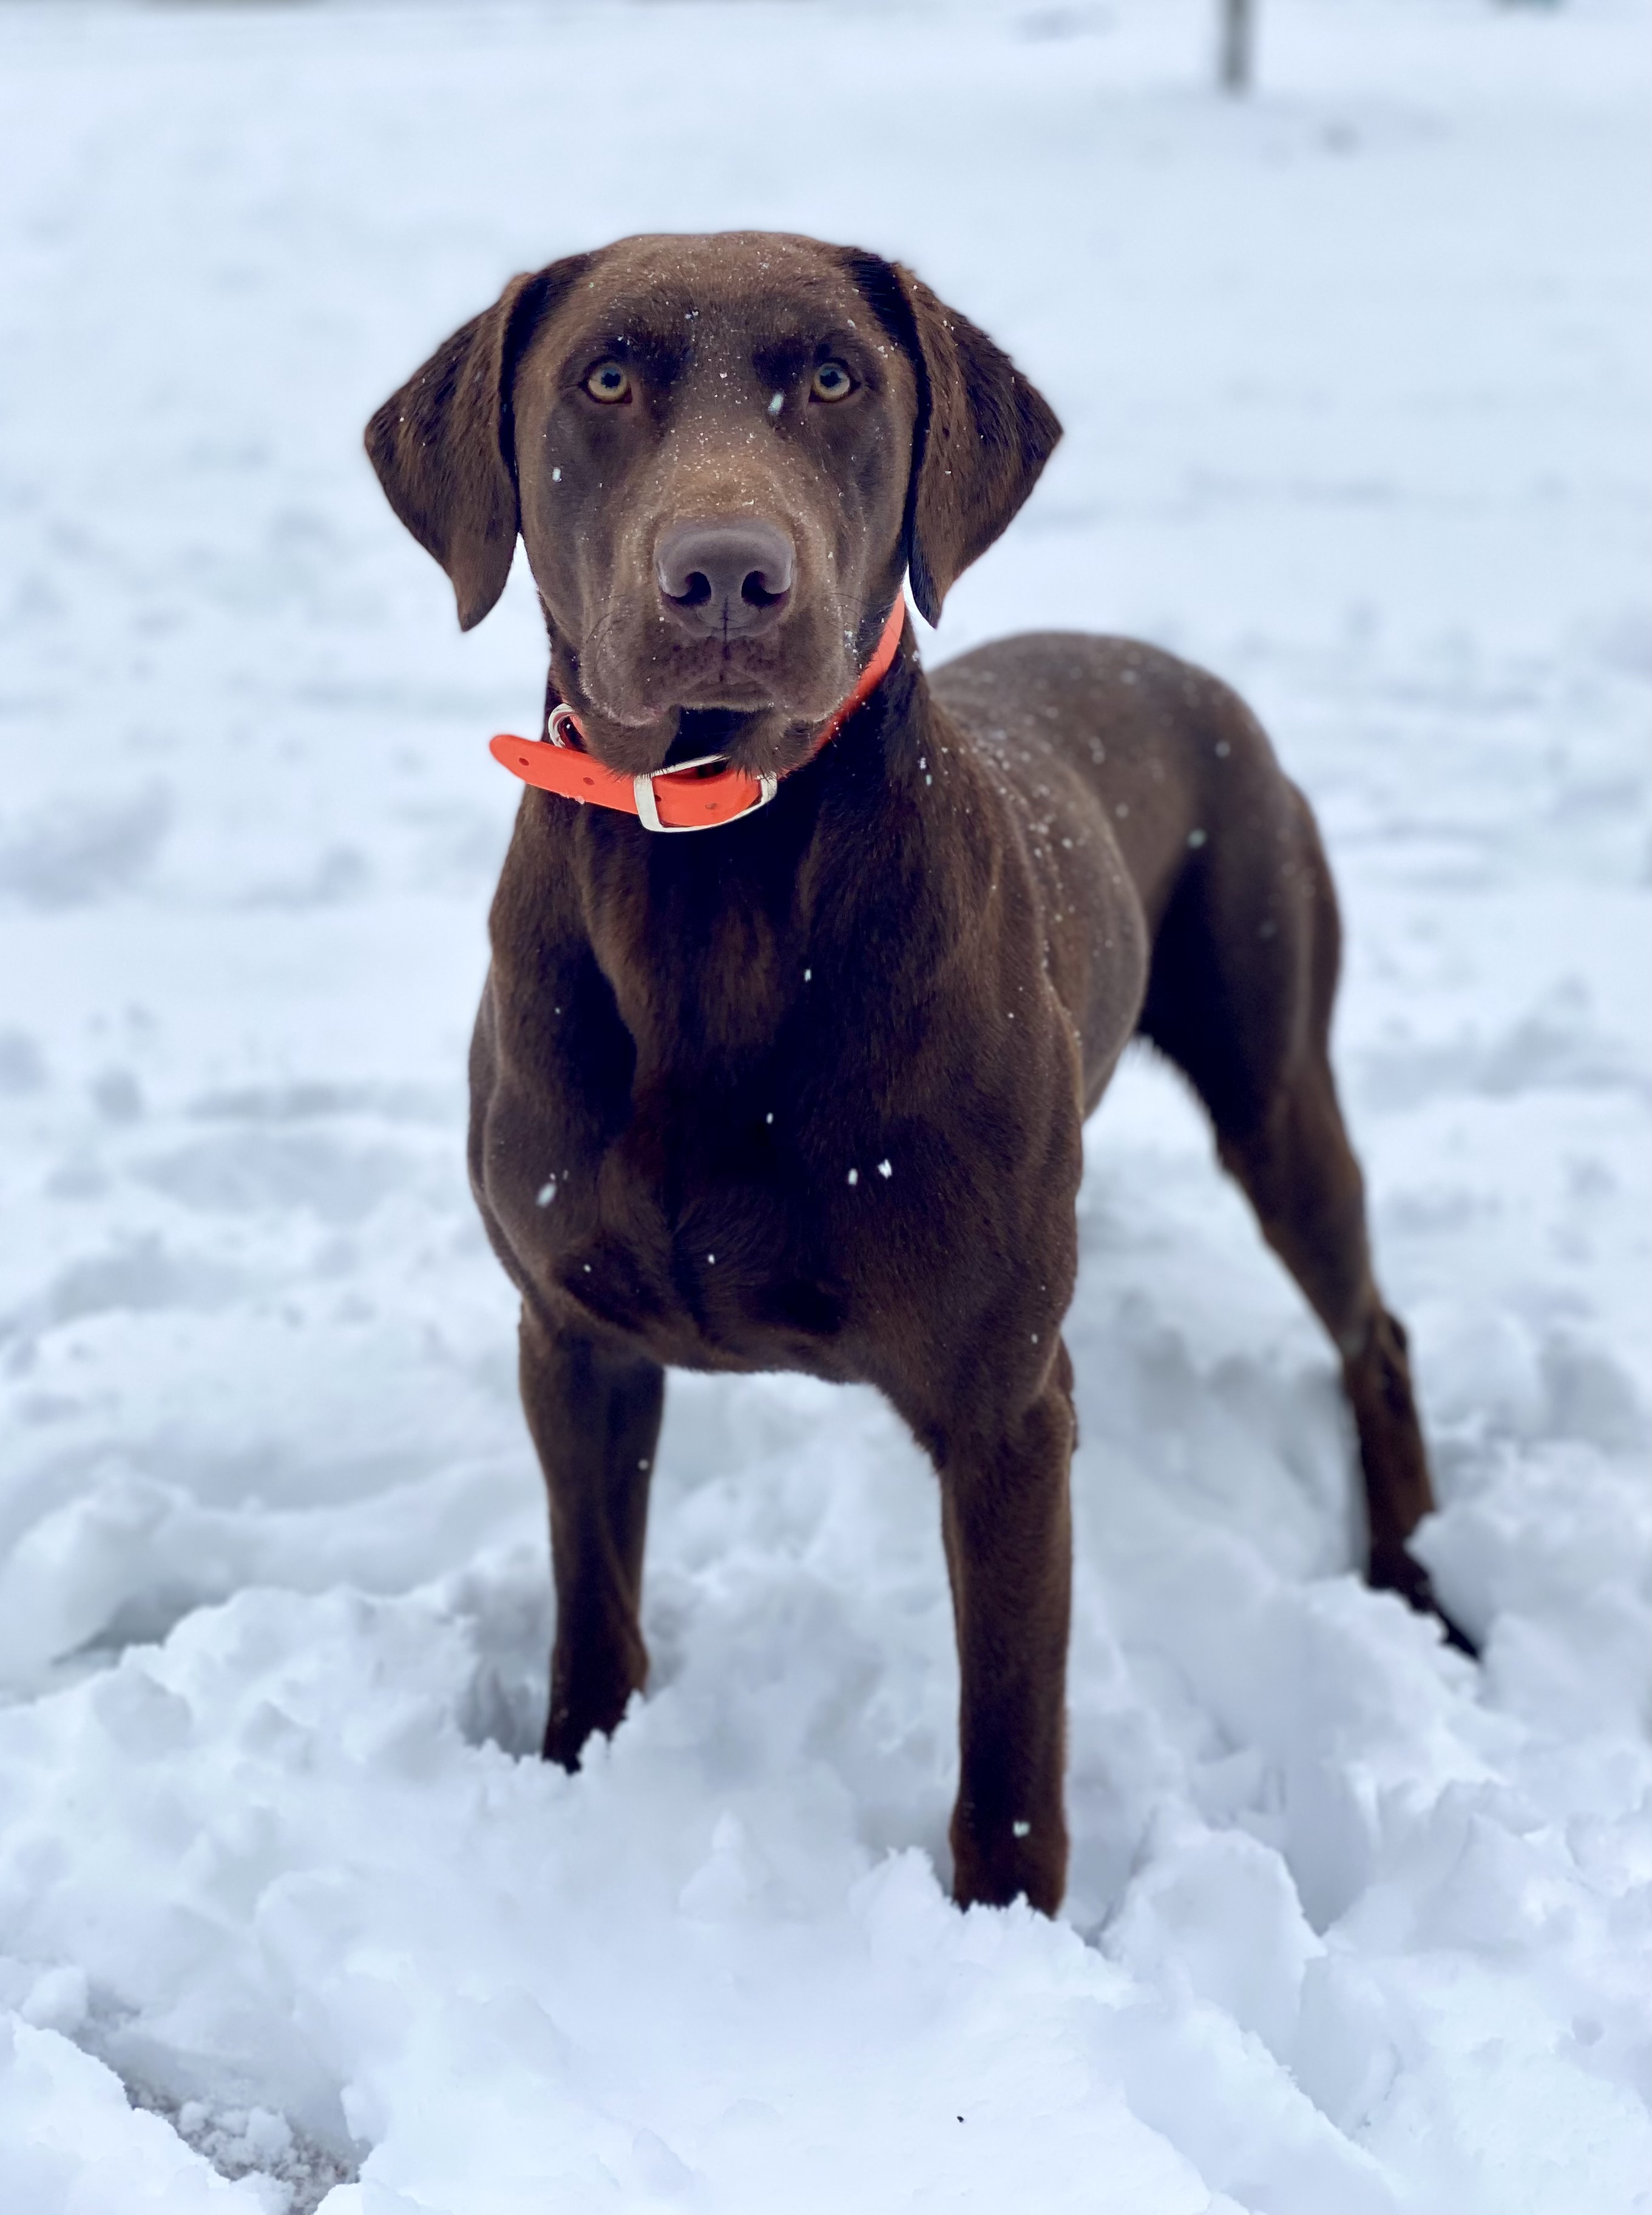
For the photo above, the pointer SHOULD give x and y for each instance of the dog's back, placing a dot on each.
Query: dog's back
(1108, 746)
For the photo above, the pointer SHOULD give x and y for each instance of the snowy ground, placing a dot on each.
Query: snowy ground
(1358, 385)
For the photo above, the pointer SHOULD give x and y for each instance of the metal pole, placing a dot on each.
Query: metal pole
(1238, 25)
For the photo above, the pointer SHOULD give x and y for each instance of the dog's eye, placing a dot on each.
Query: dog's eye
(832, 382)
(608, 382)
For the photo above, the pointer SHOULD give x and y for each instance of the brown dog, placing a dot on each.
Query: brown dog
(806, 1092)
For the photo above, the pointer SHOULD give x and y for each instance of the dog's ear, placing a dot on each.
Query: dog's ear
(444, 445)
(982, 433)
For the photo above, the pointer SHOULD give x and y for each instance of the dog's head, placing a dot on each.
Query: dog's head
(722, 454)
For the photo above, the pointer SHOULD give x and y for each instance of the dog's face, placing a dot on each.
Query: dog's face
(722, 454)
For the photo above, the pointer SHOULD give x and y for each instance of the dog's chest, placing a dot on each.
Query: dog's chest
(747, 1139)
(682, 1201)
(702, 1229)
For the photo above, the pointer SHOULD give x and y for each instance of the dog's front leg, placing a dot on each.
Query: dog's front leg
(1006, 1519)
(594, 1412)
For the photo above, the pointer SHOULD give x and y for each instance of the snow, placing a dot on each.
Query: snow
(1356, 380)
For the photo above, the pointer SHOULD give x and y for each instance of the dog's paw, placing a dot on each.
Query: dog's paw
(1393, 1569)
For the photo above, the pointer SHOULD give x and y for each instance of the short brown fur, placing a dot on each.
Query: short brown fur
(806, 1092)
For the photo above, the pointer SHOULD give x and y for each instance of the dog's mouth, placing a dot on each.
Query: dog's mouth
(712, 731)
(762, 741)
(739, 698)
(708, 731)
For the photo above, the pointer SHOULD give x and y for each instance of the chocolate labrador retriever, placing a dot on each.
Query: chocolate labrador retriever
(806, 1091)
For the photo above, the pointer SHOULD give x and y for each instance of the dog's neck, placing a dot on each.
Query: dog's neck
(709, 943)
(703, 737)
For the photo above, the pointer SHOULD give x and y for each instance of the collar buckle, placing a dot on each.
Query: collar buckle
(649, 809)
(587, 780)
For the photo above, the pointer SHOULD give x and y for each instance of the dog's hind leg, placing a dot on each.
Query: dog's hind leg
(594, 1413)
(1302, 1178)
(1240, 993)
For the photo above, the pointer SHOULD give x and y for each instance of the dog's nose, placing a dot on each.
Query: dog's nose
(725, 578)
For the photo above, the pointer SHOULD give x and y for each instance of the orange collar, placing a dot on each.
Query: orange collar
(559, 762)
